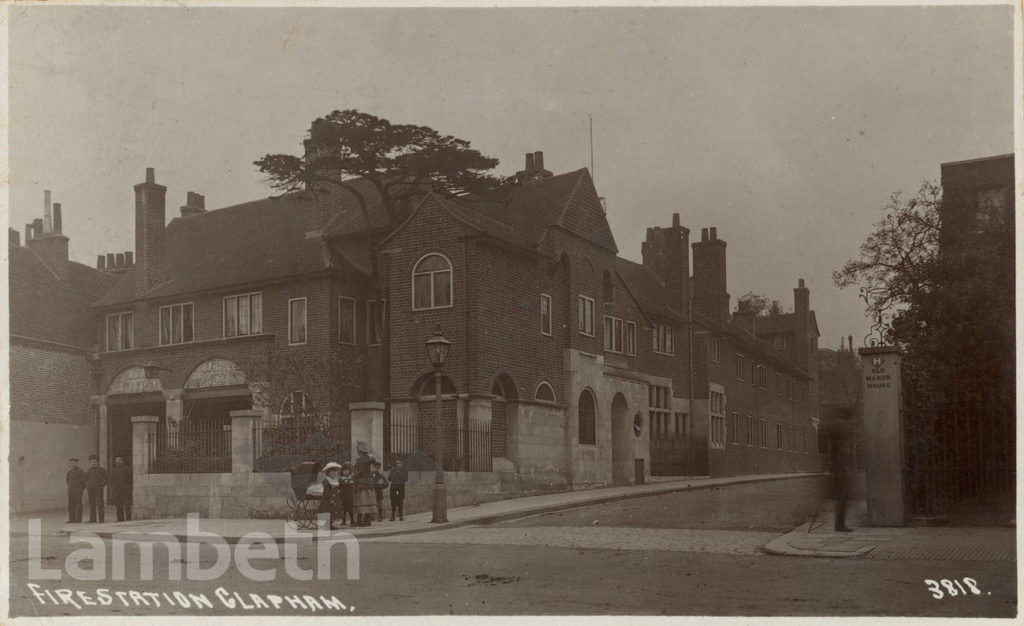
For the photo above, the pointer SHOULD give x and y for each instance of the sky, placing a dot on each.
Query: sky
(786, 128)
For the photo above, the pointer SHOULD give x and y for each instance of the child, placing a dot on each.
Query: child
(347, 489)
(380, 483)
(398, 477)
(330, 501)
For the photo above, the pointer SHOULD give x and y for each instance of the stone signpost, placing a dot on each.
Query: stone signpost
(883, 432)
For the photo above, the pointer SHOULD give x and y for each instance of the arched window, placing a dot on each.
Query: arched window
(426, 386)
(544, 392)
(588, 418)
(297, 404)
(432, 283)
(503, 388)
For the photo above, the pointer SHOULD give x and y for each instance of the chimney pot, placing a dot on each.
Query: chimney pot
(37, 228)
(28, 233)
(129, 258)
(675, 219)
(110, 260)
(538, 159)
(13, 237)
(150, 175)
(119, 259)
(58, 219)
(47, 215)
(529, 162)
(101, 262)
(801, 283)
(714, 233)
(851, 343)
(703, 234)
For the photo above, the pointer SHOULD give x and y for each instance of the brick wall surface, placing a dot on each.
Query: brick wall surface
(50, 385)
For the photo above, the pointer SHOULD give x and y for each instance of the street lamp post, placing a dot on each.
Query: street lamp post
(437, 348)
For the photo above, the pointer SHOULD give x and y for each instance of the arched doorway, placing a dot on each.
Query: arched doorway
(502, 391)
(130, 393)
(622, 441)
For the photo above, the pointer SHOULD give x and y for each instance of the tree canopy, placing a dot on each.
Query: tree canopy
(759, 304)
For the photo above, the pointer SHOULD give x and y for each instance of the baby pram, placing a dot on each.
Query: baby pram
(304, 507)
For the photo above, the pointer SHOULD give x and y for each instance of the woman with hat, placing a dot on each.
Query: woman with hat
(330, 501)
(347, 491)
(365, 502)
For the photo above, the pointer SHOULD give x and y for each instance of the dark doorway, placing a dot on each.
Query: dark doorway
(119, 427)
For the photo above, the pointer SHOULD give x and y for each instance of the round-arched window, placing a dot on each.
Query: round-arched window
(588, 418)
(544, 392)
(432, 283)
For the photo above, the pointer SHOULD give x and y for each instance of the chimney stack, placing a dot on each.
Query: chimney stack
(710, 296)
(194, 205)
(150, 215)
(101, 262)
(538, 160)
(802, 324)
(119, 260)
(37, 228)
(110, 260)
(28, 233)
(58, 220)
(13, 237)
(529, 162)
(666, 252)
(534, 168)
(129, 258)
(47, 218)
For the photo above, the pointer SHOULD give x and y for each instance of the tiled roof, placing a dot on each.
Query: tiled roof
(45, 308)
(236, 245)
(748, 342)
(646, 288)
(777, 324)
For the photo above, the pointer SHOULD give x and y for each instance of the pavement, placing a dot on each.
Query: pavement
(486, 513)
(817, 538)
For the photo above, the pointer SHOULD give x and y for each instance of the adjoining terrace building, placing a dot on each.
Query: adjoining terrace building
(245, 336)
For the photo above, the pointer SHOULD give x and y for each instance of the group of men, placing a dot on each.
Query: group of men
(93, 481)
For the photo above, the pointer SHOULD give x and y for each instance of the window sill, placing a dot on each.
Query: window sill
(205, 342)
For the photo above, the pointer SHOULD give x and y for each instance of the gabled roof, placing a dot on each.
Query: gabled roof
(45, 308)
(237, 245)
(348, 216)
(646, 288)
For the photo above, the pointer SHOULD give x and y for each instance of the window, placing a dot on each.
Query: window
(544, 392)
(243, 315)
(346, 320)
(374, 322)
(613, 329)
(586, 312)
(717, 419)
(631, 338)
(119, 331)
(764, 433)
(176, 324)
(750, 430)
(762, 377)
(545, 314)
(297, 321)
(432, 283)
(753, 372)
(663, 339)
(297, 404)
(778, 435)
(588, 418)
(778, 384)
(716, 351)
(779, 341)
(659, 401)
(741, 367)
(734, 429)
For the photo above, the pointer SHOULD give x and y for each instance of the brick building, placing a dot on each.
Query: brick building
(570, 366)
(52, 332)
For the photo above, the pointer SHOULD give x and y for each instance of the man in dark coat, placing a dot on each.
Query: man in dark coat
(95, 481)
(76, 485)
(121, 489)
(398, 476)
(840, 470)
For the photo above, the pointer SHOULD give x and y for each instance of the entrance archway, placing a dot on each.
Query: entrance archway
(622, 441)
(502, 391)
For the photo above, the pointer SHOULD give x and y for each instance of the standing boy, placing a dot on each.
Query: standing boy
(398, 477)
(121, 489)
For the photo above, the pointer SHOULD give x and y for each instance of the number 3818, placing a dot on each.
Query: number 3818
(952, 588)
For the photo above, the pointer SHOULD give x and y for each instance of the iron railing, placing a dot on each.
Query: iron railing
(279, 446)
(190, 452)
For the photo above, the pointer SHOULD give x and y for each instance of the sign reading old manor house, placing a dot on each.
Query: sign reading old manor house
(877, 377)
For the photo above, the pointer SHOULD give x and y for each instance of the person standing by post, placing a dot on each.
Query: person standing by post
(121, 489)
(398, 476)
(95, 481)
(380, 483)
(76, 485)
(840, 465)
(365, 504)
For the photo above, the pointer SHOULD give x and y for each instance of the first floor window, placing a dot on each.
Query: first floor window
(734, 428)
(741, 367)
(631, 338)
(297, 321)
(243, 315)
(374, 322)
(663, 339)
(175, 324)
(613, 329)
(778, 435)
(750, 430)
(545, 314)
(432, 283)
(716, 350)
(346, 320)
(717, 419)
(764, 433)
(762, 377)
(586, 311)
(119, 331)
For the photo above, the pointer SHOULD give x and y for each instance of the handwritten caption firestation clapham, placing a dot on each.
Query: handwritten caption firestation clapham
(133, 598)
